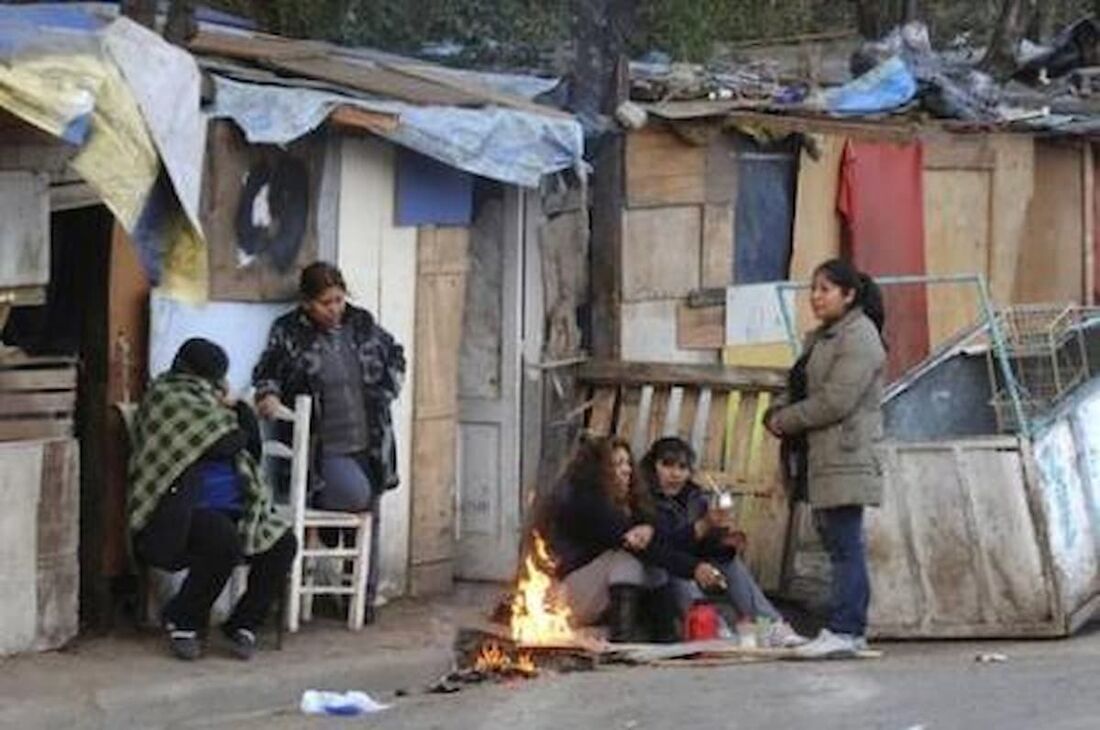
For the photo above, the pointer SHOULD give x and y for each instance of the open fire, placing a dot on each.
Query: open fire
(539, 618)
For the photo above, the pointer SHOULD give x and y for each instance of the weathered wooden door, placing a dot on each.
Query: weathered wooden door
(489, 418)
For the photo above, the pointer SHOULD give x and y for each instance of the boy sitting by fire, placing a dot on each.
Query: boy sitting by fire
(688, 522)
(608, 552)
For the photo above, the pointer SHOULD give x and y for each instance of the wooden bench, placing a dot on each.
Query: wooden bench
(719, 410)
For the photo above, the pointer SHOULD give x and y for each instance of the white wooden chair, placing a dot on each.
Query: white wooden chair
(307, 522)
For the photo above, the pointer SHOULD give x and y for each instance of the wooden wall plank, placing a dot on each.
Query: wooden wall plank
(654, 237)
(630, 400)
(27, 429)
(663, 169)
(717, 255)
(658, 412)
(1051, 259)
(958, 210)
(603, 411)
(712, 454)
(1013, 190)
(28, 403)
(441, 256)
(955, 152)
(700, 328)
(741, 438)
(817, 227)
(649, 335)
(37, 379)
(689, 406)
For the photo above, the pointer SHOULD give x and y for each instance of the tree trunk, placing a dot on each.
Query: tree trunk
(1007, 33)
(910, 11)
(141, 11)
(182, 25)
(872, 18)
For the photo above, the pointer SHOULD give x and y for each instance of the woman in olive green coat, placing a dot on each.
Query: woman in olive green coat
(833, 413)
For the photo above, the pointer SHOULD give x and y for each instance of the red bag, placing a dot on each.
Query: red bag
(701, 623)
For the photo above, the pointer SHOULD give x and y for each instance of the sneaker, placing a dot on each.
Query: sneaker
(780, 635)
(243, 643)
(184, 643)
(828, 645)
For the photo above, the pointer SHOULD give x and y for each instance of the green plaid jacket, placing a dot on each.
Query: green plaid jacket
(180, 418)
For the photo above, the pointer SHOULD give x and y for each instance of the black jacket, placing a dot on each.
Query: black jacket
(291, 366)
(676, 517)
(585, 525)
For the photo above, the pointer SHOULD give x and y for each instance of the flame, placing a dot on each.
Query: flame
(494, 660)
(537, 616)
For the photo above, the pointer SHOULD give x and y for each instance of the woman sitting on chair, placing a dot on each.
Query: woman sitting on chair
(197, 500)
(353, 369)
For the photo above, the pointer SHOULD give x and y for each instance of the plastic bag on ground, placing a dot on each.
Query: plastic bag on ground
(323, 702)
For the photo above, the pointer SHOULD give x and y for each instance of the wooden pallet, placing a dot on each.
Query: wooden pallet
(37, 397)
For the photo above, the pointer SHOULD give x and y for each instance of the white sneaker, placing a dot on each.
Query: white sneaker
(780, 635)
(828, 645)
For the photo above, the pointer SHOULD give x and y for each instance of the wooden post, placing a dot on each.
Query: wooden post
(1088, 229)
(601, 84)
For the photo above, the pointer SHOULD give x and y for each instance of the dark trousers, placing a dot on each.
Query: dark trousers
(841, 530)
(213, 550)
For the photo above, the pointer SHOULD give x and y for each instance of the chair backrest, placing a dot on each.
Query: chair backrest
(297, 453)
(718, 409)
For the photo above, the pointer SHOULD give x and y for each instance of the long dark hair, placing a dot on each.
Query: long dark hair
(668, 448)
(868, 293)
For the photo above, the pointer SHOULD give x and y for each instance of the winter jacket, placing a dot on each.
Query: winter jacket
(586, 525)
(291, 366)
(841, 414)
(676, 518)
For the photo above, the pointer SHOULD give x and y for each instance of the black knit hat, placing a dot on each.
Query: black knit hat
(203, 358)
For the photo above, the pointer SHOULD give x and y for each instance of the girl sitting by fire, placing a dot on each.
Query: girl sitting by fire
(688, 522)
(608, 553)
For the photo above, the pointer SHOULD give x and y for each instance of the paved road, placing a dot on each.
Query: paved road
(1049, 685)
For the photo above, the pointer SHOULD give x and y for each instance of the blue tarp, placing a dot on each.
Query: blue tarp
(511, 146)
(886, 87)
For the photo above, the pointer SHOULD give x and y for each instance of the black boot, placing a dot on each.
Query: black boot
(625, 612)
(661, 615)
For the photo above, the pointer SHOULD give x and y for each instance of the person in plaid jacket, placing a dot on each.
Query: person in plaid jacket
(197, 500)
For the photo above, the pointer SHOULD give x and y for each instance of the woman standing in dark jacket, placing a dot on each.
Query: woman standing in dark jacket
(688, 523)
(601, 532)
(353, 369)
(840, 417)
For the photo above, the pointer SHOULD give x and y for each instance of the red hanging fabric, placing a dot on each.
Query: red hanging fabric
(881, 201)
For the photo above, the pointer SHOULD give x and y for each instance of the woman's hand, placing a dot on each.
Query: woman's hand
(637, 538)
(708, 577)
(268, 406)
(772, 426)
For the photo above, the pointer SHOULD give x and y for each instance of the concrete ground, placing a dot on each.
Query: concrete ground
(1048, 685)
(128, 681)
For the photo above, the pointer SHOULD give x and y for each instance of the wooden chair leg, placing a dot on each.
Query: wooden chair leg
(357, 609)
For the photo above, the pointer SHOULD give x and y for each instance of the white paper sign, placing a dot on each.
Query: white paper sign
(753, 314)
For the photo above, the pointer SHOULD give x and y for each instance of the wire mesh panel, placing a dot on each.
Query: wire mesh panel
(1046, 351)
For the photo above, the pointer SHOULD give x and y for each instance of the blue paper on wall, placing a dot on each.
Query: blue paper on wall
(432, 193)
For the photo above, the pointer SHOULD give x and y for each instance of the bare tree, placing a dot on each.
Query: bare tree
(141, 11)
(181, 26)
(1012, 21)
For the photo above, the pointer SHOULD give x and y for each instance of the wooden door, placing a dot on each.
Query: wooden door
(488, 492)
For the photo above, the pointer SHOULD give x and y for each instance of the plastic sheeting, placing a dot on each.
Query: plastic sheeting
(507, 145)
(881, 199)
(886, 87)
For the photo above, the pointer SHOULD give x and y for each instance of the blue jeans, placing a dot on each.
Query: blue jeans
(741, 589)
(841, 530)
